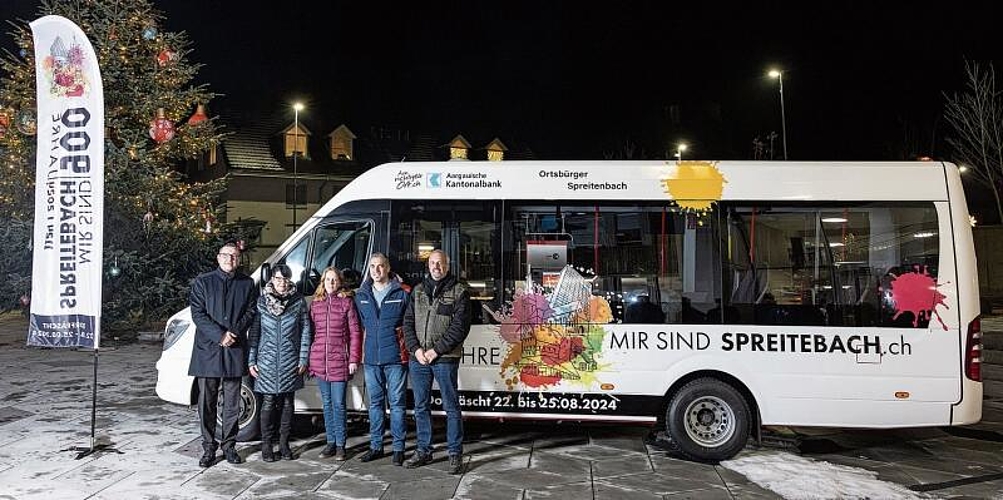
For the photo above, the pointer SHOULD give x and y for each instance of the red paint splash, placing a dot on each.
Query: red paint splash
(531, 376)
(562, 352)
(916, 292)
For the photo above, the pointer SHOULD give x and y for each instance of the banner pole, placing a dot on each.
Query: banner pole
(94, 447)
(94, 400)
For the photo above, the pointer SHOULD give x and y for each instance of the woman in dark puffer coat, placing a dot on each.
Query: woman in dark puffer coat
(335, 354)
(279, 342)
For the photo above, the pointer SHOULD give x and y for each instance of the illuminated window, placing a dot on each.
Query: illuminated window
(457, 153)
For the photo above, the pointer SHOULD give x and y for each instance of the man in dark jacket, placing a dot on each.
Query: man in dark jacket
(381, 302)
(222, 303)
(436, 323)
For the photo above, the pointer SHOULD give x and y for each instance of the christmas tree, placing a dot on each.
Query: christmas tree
(160, 231)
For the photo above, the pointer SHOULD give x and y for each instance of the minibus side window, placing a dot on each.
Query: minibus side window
(648, 262)
(827, 265)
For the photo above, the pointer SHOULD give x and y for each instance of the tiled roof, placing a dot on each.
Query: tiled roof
(255, 144)
(249, 147)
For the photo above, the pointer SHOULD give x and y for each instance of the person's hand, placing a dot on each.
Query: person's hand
(229, 338)
(430, 356)
(352, 368)
(254, 371)
(301, 370)
(419, 354)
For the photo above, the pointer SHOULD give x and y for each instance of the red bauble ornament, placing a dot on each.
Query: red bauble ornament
(166, 56)
(198, 117)
(161, 129)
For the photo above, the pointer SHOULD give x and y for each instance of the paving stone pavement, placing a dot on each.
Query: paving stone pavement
(45, 409)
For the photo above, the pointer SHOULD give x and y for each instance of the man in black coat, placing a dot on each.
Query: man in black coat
(222, 303)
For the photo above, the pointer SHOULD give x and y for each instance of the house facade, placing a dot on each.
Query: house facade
(282, 168)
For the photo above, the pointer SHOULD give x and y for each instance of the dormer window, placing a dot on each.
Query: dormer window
(296, 140)
(496, 150)
(341, 144)
(458, 148)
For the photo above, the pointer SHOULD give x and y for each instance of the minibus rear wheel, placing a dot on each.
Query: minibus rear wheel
(708, 420)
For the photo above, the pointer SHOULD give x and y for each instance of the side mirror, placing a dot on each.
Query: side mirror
(266, 274)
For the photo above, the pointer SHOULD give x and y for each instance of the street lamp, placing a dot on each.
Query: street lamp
(297, 107)
(774, 73)
(680, 149)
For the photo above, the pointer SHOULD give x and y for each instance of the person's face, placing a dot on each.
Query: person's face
(280, 284)
(437, 266)
(379, 270)
(331, 282)
(228, 257)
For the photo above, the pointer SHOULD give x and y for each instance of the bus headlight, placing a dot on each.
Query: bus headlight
(173, 332)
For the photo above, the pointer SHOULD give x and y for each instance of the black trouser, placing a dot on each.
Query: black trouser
(208, 399)
(272, 406)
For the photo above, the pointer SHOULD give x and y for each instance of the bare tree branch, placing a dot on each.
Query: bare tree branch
(976, 115)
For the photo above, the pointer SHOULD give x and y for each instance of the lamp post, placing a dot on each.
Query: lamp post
(779, 75)
(680, 149)
(297, 107)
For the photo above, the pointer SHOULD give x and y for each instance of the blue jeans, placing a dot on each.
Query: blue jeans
(332, 395)
(386, 383)
(445, 373)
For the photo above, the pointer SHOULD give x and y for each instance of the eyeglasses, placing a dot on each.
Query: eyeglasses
(231, 256)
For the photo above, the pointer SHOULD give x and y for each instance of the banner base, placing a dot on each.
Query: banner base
(93, 450)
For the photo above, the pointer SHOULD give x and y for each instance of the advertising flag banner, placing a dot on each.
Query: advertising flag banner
(69, 188)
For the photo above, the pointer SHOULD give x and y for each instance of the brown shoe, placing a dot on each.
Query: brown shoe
(339, 454)
(328, 451)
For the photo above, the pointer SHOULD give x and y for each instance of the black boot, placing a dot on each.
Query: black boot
(208, 457)
(267, 454)
(284, 450)
(267, 428)
(286, 425)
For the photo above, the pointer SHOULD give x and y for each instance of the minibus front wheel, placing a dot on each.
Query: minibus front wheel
(708, 420)
(248, 413)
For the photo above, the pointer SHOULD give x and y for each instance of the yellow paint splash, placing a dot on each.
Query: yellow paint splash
(694, 185)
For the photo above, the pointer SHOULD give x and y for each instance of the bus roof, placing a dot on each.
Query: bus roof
(681, 182)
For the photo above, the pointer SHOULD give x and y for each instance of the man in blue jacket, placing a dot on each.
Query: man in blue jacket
(223, 308)
(381, 302)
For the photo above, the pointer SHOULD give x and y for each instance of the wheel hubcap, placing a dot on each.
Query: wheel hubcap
(246, 411)
(709, 421)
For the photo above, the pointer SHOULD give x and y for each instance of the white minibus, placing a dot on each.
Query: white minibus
(711, 298)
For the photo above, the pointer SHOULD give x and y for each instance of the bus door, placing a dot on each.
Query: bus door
(469, 233)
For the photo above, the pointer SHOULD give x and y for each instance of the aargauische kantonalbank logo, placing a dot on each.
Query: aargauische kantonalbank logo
(407, 180)
(434, 179)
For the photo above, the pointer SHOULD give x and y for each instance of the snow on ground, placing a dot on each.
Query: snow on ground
(798, 478)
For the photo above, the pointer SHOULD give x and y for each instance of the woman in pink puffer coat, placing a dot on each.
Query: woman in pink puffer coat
(335, 353)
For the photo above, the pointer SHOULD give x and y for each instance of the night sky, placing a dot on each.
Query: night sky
(862, 81)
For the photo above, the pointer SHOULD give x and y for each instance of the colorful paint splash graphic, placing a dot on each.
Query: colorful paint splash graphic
(556, 336)
(916, 292)
(694, 185)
